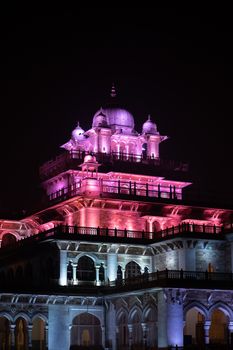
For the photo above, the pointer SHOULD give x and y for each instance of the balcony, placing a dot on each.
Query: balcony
(114, 235)
(114, 161)
(119, 189)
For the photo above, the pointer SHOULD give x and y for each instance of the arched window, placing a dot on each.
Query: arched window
(137, 330)
(86, 269)
(194, 328)
(38, 334)
(123, 331)
(219, 328)
(5, 338)
(21, 335)
(8, 239)
(86, 331)
(132, 269)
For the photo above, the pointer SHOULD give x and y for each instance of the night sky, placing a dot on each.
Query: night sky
(57, 70)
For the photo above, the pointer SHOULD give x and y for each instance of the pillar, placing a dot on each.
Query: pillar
(175, 323)
(63, 268)
(58, 324)
(123, 273)
(144, 334)
(112, 266)
(12, 330)
(103, 336)
(130, 328)
(46, 336)
(207, 330)
(74, 273)
(162, 321)
(111, 329)
(29, 336)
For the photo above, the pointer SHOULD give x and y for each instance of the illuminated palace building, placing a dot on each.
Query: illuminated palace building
(116, 257)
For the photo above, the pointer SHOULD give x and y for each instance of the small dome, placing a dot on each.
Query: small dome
(89, 159)
(78, 133)
(149, 127)
(100, 119)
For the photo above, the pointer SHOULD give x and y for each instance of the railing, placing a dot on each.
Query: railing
(173, 275)
(142, 237)
(119, 187)
(68, 160)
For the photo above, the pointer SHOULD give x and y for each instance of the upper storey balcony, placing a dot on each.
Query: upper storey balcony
(114, 161)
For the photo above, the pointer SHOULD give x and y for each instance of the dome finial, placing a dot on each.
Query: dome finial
(78, 124)
(113, 90)
(149, 118)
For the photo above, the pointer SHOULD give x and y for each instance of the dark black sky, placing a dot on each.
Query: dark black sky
(56, 70)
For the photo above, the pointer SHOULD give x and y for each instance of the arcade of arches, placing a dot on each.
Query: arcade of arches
(136, 328)
(86, 270)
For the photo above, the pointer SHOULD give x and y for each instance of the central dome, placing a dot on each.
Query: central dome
(117, 118)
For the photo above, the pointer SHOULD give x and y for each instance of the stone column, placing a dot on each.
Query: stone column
(162, 321)
(12, 330)
(175, 321)
(130, 328)
(29, 327)
(112, 266)
(144, 334)
(97, 275)
(59, 332)
(111, 328)
(103, 336)
(123, 273)
(207, 329)
(63, 268)
(74, 273)
(46, 336)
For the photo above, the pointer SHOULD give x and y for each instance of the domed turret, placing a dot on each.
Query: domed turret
(149, 127)
(100, 119)
(78, 133)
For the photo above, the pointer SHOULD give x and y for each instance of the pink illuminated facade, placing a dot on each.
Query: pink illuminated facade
(116, 257)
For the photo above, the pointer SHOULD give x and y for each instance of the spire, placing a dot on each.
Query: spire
(78, 125)
(113, 91)
(149, 117)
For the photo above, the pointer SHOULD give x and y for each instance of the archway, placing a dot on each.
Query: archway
(86, 331)
(218, 333)
(194, 328)
(5, 338)
(123, 331)
(150, 320)
(136, 323)
(38, 334)
(8, 239)
(132, 269)
(21, 334)
(86, 269)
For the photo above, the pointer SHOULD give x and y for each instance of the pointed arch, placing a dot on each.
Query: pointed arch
(136, 309)
(41, 316)
(199, 307)
(223, 307)
(24, 316)
(6, 315)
